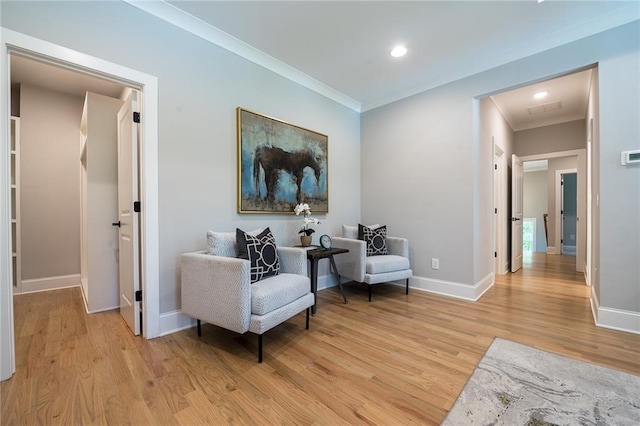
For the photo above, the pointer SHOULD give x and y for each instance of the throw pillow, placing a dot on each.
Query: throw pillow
(376, 239)
(224, 243)
(261, 251)
(352, 231)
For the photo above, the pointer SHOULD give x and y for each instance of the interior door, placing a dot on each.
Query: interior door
(128, 218)
(516, 212)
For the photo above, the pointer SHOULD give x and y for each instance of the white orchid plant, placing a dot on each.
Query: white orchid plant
(303, 208)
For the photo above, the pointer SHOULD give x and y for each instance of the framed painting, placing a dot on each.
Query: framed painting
(280, 165)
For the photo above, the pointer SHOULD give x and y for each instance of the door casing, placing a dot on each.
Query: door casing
(20, 44)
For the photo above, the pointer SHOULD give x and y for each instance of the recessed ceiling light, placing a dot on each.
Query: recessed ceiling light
(398, 51)
(541, 95)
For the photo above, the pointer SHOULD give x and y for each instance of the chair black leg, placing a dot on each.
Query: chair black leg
(407, 292)
(370, 292)
(307, 326)
(259, 348)
(199, 328)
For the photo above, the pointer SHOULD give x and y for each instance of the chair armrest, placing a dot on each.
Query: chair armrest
(398, 246)
(352, 264)
(293, 260)
(216, 290)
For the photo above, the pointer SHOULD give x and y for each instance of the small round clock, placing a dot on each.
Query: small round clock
(325, 242)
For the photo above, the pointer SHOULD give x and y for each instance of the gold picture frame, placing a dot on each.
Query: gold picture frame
(280, 165)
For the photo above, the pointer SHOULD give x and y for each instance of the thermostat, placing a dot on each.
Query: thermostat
(630, 157)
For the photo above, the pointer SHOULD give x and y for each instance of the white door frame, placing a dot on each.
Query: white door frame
(499, 191)
(559, 204)
(14, 42)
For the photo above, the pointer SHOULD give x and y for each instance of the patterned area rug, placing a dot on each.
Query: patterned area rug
(516, 384)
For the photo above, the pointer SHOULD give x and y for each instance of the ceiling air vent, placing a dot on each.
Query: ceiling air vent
(539, 109)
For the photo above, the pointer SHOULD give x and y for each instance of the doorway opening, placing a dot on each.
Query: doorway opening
(25, 46)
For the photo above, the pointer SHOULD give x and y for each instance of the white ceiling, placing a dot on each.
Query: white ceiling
(345, 44)
(566, 101)
(341, 48)
(29, 71)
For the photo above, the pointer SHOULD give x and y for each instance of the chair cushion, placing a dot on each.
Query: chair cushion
(261, 251)
(376, 239)
(224, 243)
(352, 231)
(277, 291)
(389, 263)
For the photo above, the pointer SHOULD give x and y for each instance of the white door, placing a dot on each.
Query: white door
(127, 195)
(516, 212)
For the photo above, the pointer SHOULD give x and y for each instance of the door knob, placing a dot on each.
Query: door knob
(118, 224)
(513, 219)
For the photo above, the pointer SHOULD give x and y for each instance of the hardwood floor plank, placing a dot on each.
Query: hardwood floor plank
(400, 359)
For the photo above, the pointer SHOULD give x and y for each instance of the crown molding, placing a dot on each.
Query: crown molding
(181, 19)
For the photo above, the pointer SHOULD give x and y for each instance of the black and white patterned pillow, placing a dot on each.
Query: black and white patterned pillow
(376, 239)
(261, 251)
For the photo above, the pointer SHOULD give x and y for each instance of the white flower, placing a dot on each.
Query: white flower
(306, 211)
(302, 208)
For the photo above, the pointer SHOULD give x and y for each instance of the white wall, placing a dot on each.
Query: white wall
(535, 203)
(426, 144)
(50, 182)
(200, 86)
(495, 127)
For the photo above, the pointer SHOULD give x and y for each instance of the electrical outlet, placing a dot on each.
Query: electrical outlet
(435, 263)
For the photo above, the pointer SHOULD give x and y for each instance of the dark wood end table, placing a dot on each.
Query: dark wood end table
(314, 255)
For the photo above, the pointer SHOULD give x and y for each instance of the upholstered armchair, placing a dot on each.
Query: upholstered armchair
(217, 288)
(388, 258)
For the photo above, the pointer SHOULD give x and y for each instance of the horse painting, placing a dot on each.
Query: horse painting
(273, 160)
(280, 165)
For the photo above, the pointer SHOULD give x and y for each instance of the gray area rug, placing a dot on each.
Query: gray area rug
(516, 384)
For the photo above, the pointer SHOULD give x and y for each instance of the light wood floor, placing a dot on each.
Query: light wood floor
(397, 360)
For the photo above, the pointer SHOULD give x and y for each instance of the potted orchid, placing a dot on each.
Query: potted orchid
(306, 230)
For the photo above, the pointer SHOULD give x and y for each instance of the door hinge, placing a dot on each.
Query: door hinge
(138, 296)
(136, 206)
(136, 117)
(495, 254)
(495, 210)
(562, 212)
(495, 167)
(561, 241)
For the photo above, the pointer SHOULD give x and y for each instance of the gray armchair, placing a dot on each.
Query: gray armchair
(372, 270)
(218, 290)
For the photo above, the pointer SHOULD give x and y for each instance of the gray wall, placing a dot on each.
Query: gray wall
(434, 163)
(535, 203)
(424, 170)
(50, 182)
(619, 190)
(200, 86)
(555, 138)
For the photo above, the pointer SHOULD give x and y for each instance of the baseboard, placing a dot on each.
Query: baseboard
(174, 321)
(552, 250)
(453, 289)
(50, 283)
(326, 281)
(615, 319)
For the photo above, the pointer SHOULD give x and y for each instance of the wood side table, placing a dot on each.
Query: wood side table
(314, 255)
